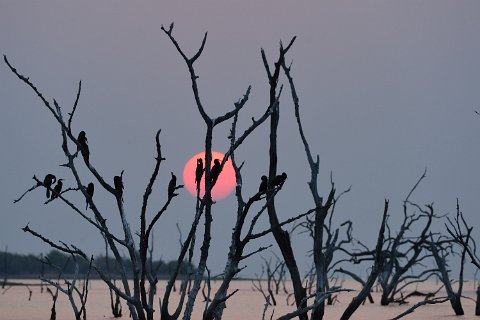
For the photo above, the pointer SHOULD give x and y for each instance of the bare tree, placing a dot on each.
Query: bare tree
(115, 304)
(139, 293)
(323, 249)
(275, 274)
(461, 233)
(440, 249)
(5, 267)
(134, 295)
(204, 205)
(281, 236)
(76, 297)
(238, 243)
(405, 250)
(391, 259)
(378, 262)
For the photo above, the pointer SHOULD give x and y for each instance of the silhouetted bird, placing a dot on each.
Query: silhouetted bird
(279, 180)
(90, 191)
(199, 172)
(215, 172)
(263, 185)
(117, 181)
(83, 146)
(57, 189)
(48, 181)
(171, 186)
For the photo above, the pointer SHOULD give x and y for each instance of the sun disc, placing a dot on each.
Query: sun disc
(225, 182)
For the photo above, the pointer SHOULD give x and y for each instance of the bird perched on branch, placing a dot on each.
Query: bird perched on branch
(279, 180)
(90, 191)
(48, 181)
(262, 188)
(215, 172)
(263, 185)
(57, 189)
(199, 172)
(171, 186)
(83, 146)
(118, 182)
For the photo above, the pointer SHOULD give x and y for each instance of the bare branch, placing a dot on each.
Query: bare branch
(74, 106)
(419, 304)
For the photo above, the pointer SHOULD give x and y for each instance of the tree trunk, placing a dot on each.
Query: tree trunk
(457, 305)
(281, 236)
(384, 301)
(477, 305)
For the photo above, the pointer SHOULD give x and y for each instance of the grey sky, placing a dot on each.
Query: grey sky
(386, 88)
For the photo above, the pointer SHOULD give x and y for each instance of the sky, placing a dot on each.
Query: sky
(386, 88)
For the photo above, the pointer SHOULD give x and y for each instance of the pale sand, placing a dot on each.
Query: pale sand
(245, 304)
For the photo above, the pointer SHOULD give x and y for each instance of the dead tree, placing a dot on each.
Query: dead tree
(335, 242)
(461, 233)
(237, 255)
(53, 309)
(281, 236)
(134, 293)
(405, 250)
(323, 249)
(378, 262)
(115, 304)
(257, 285)
(274, 276)
(440, 249)
(5, 267)
(204, 205)
(76, 297)
(402, 252)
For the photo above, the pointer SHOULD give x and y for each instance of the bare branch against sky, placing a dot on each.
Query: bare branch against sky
(386, 88)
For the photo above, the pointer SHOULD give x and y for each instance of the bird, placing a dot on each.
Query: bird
(117, 181)
(57, 189)
(215, 172)
(90, 191)
(83, 146)
(48, 181)
(171, 186)
(263, 185)
(279, 180)
(199, 172)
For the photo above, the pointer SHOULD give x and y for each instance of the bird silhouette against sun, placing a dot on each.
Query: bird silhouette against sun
(224, 183)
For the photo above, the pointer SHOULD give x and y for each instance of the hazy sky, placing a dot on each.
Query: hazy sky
(387, 89)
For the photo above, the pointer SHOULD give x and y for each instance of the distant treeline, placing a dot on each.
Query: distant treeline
(14, 265)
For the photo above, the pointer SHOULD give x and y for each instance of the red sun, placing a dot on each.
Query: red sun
(225, 182)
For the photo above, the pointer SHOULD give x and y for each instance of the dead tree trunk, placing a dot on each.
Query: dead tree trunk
(281, 236)
(5, 267)
(461, 234)
(454, 297)
(403, 254)
(477, 302)
(322, 256)
(236, 254)
(376, 268)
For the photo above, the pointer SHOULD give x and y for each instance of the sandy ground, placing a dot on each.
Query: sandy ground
(245, 304)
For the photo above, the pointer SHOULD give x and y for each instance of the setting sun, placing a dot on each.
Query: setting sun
(224, 185)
